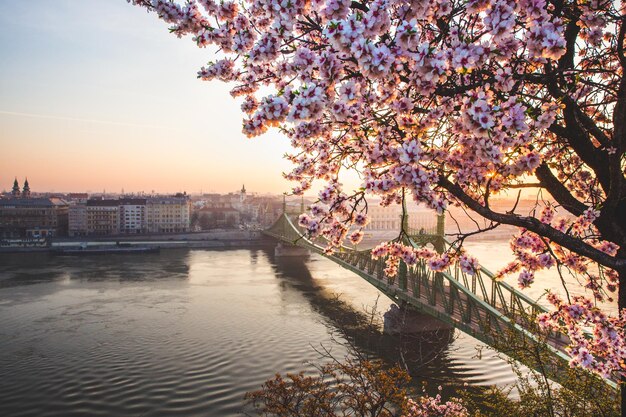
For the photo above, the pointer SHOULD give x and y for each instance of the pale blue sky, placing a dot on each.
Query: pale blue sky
(97, 94)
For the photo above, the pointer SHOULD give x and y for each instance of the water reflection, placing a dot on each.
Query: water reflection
(36, 268)
(424, 354)
(185, 332)
(27, 269)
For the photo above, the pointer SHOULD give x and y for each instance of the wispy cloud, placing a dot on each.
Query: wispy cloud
(77, 119)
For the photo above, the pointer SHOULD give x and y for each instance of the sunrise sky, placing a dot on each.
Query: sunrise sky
(96, 94)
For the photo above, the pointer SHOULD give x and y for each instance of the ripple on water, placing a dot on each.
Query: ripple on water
(183, 333)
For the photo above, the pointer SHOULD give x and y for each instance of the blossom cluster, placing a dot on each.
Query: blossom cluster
(394, 252)
(598, 342)
(384, 59)
(416, 95)
(534, 253)
(433, 406)
(604, 348)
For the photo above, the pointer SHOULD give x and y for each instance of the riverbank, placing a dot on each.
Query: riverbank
(211, 240)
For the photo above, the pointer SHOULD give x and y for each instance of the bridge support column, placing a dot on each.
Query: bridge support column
(437, 287)
(287, 250)
(406, 320)
(402, 274)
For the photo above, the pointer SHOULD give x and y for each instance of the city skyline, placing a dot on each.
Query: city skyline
(6, 189)
(96, 95)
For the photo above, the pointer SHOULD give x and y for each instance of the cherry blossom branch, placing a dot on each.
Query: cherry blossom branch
(535, 226)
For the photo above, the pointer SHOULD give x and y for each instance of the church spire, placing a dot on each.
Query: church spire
(242, 195)
(26, 189)
(16, 189)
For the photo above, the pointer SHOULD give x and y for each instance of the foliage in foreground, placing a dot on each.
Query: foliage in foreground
(581, 393)
(583, 397)
(364, 388)
(355, 387)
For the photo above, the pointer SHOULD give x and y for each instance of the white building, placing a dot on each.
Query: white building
(132, 215)
(383, 218)
(390, 218)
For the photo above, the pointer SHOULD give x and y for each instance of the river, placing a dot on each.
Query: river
(187, 332)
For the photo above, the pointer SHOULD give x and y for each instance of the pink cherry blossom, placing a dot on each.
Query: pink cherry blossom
(446, 103)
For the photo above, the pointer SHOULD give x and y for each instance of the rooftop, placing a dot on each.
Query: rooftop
(32, 202)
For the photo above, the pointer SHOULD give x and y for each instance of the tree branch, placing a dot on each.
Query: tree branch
(558, 191)
(535, 226)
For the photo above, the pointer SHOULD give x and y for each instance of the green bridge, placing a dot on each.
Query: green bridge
(490, 310)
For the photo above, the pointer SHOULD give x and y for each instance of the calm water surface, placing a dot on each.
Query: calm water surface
(188, 332)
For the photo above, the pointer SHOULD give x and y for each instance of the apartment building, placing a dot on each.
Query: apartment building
(389, 218)
(25, 217)
(168, 214)
(130, 215)
(77, 220)
(384, 218)
(103, 217)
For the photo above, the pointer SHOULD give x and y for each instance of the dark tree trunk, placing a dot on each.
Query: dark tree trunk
(621, 303)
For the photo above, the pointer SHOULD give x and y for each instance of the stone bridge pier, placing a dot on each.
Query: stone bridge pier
(287, 250)
(407, 320)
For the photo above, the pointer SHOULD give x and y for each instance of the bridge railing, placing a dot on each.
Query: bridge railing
(503, 297)
(477, 304)
(449, 299)
(441, 295)
(499, 295)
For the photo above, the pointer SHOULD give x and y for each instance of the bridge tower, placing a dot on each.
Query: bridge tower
(284, 249)
(440, 241)
(404, 224)
(405, 318)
